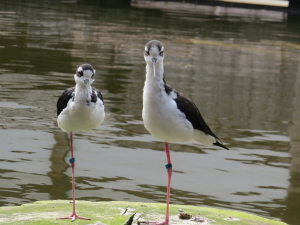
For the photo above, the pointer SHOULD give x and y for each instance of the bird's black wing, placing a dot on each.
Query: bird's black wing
(94, 96)
(193, 115)
(64, 99)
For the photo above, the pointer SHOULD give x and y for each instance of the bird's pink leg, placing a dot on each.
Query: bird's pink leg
(169, 170)
(72, 161)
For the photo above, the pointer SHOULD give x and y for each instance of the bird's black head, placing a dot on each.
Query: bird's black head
(85, 74)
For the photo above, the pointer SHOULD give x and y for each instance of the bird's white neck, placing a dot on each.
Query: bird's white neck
(154, 86)
(83, 93)
(159, 73)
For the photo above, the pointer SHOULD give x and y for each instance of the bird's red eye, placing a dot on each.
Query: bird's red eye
(161, 53)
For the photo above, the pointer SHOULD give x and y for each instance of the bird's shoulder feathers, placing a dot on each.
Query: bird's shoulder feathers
(64, 99)
(192, 113)
(96, 94)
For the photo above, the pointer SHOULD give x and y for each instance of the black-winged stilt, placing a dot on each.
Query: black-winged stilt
(80, 108)
(169, 115)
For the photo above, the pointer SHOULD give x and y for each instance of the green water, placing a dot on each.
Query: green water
(241, 67)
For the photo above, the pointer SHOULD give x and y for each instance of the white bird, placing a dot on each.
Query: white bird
(80, 108)
(169, 115)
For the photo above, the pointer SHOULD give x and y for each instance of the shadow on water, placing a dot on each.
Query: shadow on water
(240, 66)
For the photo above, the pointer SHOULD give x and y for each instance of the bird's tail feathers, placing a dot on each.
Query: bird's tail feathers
(207, 139)
(220, 145)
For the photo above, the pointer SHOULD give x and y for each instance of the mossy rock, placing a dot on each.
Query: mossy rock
(110, 213)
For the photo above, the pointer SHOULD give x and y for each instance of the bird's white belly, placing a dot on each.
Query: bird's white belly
(165, 121)
(80, 117)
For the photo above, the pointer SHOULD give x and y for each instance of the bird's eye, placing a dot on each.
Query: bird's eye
(147, 53)
(80, 73)
(161, 53)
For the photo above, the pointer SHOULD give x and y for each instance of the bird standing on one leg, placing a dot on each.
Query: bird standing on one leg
(80, 108)
(168, 115)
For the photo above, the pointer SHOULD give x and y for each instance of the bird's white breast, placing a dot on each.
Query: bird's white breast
(81, 116)
(161, 116)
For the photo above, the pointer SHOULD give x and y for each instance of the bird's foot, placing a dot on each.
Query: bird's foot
(73, 217)
(160, 223)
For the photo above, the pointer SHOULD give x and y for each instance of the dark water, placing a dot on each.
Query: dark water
(241, 67)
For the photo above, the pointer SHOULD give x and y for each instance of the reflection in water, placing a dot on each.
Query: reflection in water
(240, 66)
(58, 167)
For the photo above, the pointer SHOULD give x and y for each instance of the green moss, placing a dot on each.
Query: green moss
(46, 212)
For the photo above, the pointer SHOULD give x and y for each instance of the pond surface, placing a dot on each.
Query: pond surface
(241, 67)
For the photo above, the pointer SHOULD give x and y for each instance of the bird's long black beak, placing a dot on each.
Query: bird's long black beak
(154, 60)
